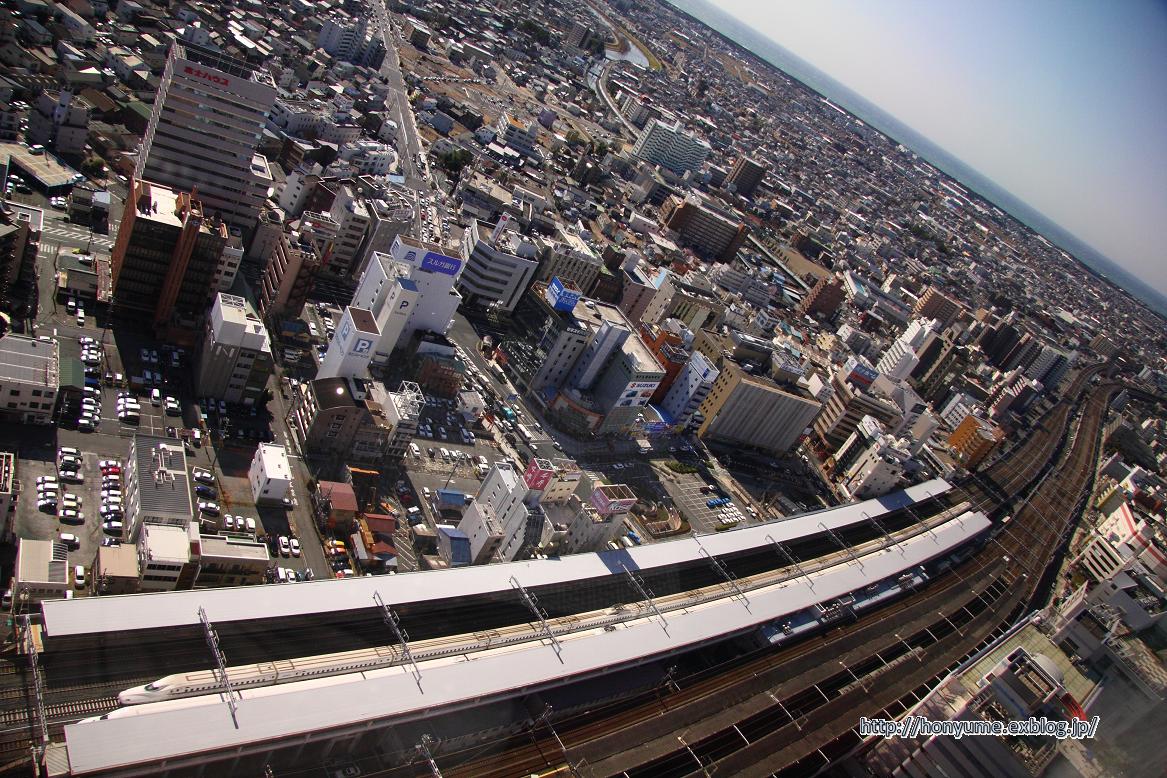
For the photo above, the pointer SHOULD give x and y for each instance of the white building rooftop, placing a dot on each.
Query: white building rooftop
(179, 608)
(171, 731)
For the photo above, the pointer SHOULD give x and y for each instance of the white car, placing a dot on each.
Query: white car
(67, 451)
(295, 544)
(229, 523)
(250, 523)
(46, 479)
(172, 407)
(285, 546)
(155, 397)
(71, 514)
(202, 476)
(113, 527)
(111, 493)
(108, 463)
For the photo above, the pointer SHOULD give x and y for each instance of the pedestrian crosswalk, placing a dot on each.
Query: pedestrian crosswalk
(77, 236)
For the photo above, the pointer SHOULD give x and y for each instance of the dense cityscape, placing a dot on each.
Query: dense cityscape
(550, 388)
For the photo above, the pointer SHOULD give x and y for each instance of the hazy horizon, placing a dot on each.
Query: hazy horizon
(1074, 130)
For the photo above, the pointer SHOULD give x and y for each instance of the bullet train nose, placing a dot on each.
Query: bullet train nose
(136, 696)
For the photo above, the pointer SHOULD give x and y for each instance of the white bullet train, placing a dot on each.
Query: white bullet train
(244, 677)
(200, 682)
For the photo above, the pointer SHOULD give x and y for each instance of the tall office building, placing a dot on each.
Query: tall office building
(670, 146)
(167, 256)
(498, 267)
(708, 229)
(754, 412)
(745, 176)
(407, 289)
(205, 126)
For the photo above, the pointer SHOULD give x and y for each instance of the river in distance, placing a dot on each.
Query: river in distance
(797, 68)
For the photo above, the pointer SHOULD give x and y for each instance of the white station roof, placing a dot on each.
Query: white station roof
(172, 609)
(168, 731)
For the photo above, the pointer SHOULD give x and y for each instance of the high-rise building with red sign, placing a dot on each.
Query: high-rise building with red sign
(206, 124)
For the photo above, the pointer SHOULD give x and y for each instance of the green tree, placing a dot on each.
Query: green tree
(92, 167)
(453, 161)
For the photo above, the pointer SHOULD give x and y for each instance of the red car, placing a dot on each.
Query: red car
(111, 471)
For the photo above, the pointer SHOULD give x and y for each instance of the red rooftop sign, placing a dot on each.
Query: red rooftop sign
(208, 76)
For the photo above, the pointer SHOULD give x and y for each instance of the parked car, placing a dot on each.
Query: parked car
(209, 507)
(285, 546)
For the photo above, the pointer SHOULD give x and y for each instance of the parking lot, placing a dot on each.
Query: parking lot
(124, 366)
(692, 496)
(43, 524)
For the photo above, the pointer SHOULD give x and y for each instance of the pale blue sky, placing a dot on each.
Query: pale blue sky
(1062, 102)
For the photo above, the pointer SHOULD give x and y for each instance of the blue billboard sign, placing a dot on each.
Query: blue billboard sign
(440, 263)
(562, 298)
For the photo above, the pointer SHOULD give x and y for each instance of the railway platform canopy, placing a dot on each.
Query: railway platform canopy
(129, 618)
(185, 733)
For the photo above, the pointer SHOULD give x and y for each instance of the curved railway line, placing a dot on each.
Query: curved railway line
(814, 724)
(776, 710)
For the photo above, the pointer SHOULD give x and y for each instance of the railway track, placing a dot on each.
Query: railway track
(1025, 546)
(964, 595)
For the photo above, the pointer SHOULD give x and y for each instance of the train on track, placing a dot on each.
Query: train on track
(274, 673)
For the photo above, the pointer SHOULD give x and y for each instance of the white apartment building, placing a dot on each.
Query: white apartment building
(519, 522)
(29, 379)
(670, 146)
(500, 265)
(270, 474)
(369, 157)
(352, 220)
(60, 123)
(410, 288)
(235, 360)
(521, 136)
(163, 556)
(206, 124)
